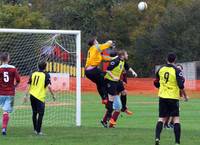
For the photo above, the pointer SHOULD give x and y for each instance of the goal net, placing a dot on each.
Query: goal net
(61, 50)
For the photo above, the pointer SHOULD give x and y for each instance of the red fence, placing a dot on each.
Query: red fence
(137, 85)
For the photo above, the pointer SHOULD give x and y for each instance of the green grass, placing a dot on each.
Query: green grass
(131, 130)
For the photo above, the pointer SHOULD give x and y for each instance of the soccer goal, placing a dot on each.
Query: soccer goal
(62, 51)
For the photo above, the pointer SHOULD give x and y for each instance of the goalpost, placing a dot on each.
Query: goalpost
(62, 51)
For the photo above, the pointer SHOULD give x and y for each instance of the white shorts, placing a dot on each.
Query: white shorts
(117, 104)
(7, 102)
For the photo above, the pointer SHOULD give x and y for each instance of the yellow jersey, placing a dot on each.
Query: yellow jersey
(38, 83)
(170, 81)
(116, 67)
(94, 57)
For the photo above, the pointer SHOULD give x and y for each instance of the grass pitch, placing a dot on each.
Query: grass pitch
(131, 130)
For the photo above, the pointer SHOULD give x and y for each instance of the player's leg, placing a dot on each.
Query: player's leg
(7, 108)
(109, 110)
(170, 122)
(166, 124)
(117, 108)
(117, 104)
(2, 102)
(123, 100)
(175, 114)
(123, 97)
(112, 90)
(163, 113)
(34, 112)
(177, 129)
(101, 87)
(104, 121)
(159, 127)
(40, 111)
(97, 77)
(5, 119)
(124, 103)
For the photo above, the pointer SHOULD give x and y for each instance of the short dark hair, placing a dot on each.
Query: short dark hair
(42, 65)
(171, 57)
(113, 53)
(4, 56)
(91, 42)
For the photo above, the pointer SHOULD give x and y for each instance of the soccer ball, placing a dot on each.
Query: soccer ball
(142, 6)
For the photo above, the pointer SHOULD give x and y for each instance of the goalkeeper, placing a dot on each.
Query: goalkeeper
(92, 70)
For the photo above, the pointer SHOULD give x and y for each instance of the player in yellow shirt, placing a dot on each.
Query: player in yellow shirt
(114, 88)
(38, 84)
(92, 70)
(170, 82)
(169, 122)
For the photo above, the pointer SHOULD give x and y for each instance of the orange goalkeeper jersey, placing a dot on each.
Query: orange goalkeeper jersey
(94, 57)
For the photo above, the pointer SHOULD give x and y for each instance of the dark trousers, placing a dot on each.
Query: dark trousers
(97, 77)
(38, 108)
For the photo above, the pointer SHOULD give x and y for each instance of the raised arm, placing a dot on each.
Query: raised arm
(108, 58)
(106, 45)
(127, 68)
(133, 72)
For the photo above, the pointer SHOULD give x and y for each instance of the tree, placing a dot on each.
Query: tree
(145, 35)
(21, 17)
(20, 45)
(177, 31)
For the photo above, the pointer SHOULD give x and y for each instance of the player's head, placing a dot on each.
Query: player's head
(179, 66)
(5, 57)
(171, 58)
(42, 65)
(123, 54)
(92, 42)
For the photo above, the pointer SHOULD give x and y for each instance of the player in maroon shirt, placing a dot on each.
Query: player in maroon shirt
(9, 79)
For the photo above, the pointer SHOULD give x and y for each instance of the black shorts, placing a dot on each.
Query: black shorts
(168, 107)
(95, 75)
(37, 105)
(120, 87)
(113, 87)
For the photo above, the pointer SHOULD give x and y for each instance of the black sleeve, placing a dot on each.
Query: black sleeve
(157, 80)
(126, 66)
(47, 79)
(124, 77)
(113, 64)
(180, 78)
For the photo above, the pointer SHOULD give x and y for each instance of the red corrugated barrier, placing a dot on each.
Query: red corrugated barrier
(144, 85)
